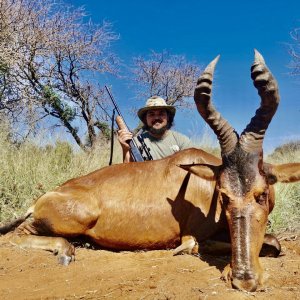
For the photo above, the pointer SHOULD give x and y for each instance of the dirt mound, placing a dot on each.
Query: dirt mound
(98, 274)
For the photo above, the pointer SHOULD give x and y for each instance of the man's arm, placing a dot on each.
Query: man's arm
(123, 137)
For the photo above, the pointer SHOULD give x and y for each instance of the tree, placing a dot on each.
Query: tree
(294, 51)
(51, 59)
(166, 75)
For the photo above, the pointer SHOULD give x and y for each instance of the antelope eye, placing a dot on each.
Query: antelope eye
(261, 198)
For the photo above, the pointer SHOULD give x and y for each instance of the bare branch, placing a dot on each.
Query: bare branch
(166, 75)
(294, 52)
(51, 59)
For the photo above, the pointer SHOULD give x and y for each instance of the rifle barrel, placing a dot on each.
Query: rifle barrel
(136, 154)
(115, 105)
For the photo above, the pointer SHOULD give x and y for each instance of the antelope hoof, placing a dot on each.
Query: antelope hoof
(190, 246)
(64, 259)
(65, 254)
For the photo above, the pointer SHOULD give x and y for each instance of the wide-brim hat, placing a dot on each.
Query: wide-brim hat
(155, 102)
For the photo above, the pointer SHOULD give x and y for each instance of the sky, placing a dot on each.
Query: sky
(201, 30)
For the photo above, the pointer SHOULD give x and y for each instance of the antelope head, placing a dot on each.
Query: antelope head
(242, 180)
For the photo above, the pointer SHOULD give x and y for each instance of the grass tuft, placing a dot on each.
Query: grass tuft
(286, 213)
(28, 170)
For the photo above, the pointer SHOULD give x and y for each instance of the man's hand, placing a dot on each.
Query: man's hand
(124, 136)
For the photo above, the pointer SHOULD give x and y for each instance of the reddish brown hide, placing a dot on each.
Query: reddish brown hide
(158, 205)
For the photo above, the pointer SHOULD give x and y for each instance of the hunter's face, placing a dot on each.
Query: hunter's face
(157, 120)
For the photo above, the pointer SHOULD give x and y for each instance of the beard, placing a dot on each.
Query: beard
(159, 131)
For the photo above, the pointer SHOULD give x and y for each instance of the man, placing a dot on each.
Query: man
(157, 118)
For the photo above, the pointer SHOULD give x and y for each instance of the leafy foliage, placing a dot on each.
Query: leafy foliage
(62, 109)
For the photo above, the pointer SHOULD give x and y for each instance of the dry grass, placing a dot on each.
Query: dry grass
(286, 214)
(28, 170)
(207, 141)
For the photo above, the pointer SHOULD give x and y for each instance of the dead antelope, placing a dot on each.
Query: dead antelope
(179, 201)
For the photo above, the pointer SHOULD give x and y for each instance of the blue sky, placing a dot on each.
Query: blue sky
(201, 30)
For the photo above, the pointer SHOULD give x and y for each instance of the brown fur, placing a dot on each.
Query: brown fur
(156, 204)
(121, 207)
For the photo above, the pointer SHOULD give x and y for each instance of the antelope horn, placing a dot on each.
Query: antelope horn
(226, 135)
(252, 137)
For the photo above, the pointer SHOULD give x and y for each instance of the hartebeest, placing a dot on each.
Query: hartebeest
(186, 197)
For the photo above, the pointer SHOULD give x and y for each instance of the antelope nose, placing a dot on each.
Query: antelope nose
(249, 285)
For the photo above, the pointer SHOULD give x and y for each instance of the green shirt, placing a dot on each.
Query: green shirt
(171, 143)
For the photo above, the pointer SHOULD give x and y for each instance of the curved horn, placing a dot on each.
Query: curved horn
(252, 137)
(226, 135)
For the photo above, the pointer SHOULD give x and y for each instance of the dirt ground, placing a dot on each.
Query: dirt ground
(98, 274)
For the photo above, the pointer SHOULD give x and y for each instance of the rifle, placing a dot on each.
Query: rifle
(136, 153)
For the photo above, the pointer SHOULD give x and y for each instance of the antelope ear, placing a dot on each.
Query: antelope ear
(205, 171)
(282, 173)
